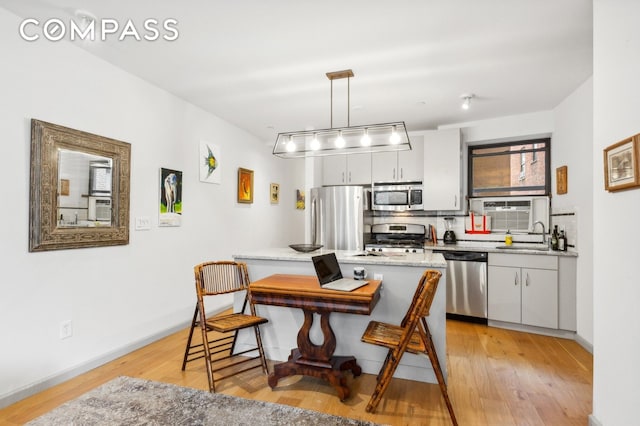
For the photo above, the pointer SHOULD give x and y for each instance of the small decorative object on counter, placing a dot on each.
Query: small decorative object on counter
(554, 238)
(508, 240)
(562, 241)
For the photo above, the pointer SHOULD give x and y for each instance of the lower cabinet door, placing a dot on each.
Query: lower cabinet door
(540, 297)
(504, 295)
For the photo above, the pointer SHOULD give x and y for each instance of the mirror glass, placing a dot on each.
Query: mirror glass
(84, 189)
(79, 192)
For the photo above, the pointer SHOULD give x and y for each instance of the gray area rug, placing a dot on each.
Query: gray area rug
(130, 401)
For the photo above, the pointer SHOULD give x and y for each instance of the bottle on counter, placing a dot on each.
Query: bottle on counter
(562, 241)
(554, 238)
(508, 239)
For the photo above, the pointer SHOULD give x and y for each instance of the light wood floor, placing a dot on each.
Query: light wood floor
(496, 377)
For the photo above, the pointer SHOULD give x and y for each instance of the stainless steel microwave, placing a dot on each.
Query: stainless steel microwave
(399, 196)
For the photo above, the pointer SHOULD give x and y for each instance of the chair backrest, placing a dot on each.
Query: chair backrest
(221, 277)
(422, 298)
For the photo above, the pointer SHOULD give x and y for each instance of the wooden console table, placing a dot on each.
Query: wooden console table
(304, 292)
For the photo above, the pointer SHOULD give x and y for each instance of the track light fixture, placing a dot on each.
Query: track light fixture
(466, 100)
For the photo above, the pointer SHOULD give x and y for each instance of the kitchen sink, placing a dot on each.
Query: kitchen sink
(538, 247)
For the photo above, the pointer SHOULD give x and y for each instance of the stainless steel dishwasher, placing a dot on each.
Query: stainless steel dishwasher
(466, 285)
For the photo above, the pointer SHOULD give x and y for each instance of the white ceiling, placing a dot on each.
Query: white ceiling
(261, 64)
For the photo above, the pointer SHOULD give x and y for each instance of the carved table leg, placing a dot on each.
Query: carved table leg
(317, 360)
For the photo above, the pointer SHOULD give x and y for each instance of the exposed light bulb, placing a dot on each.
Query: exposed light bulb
(340, 142)
(465, 104)
(291, 146)
(395, 137)
(315, 143)
(366, 139)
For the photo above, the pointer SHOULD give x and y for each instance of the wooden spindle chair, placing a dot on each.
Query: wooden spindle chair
(412, 335)
(221, 331)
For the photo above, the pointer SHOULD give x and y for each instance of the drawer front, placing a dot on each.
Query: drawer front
(524, 260)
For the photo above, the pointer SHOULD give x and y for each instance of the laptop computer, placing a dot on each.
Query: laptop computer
(329, 275)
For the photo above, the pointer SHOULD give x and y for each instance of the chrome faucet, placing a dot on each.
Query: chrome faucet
(544, 234)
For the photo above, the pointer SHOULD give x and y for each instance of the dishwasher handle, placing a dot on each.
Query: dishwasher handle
(466, 256)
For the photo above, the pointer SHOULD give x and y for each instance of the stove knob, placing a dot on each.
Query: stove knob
(379, 249)
(406, 250)
(415, 251)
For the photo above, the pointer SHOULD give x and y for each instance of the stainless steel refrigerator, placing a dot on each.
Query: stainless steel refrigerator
(337, 217)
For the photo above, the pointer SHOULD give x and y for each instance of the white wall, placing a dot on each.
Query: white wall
(117, 297)
(616, 328)
(571, 146)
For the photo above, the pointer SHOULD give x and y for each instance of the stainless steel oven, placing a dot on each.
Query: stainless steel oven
(401, 196)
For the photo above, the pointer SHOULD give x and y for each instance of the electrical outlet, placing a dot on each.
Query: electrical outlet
(143, 223)
(377, 277)
(66, 329)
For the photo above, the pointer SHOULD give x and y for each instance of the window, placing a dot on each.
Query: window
(501, 169)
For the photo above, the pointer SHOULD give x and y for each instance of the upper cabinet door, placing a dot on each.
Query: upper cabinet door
(384, 166)
(400, 166)
(359, 169)
(442, 178)
(351, 169)
(334, 170)
(411, 163)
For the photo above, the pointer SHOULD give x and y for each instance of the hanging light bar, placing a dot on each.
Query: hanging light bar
(343, 140)
(314, 143)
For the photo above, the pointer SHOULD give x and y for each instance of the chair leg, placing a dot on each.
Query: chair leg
(433, 357)
(384, 378)
(207, 350)
(263, 360)
(193, 326)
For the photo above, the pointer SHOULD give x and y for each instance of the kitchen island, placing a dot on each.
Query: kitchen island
(400, 275)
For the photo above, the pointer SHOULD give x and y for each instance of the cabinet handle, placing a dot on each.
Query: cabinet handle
(515, 279)
(401, 173)
(527, 280)
(455, 200)
(349, 177)
(342, 177)
(394, 173)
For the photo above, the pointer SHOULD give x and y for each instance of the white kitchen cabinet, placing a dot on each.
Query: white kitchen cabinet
(523, 289)
(400, 166)
(442, 178)
(346, 169)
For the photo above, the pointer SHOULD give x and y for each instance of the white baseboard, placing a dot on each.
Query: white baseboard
(586, 345)
(72, 372)
(593, 421)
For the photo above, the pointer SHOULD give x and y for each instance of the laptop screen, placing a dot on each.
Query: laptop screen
(327, 268)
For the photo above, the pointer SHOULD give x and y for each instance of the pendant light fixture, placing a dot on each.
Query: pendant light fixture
(343, 140)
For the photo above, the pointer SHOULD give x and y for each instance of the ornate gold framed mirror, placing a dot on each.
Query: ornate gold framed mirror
(79, 189)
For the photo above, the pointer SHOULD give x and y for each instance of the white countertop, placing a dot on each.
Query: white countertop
(494, 247)
(428, 259)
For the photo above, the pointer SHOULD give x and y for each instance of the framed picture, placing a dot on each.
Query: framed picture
(274, 193)
(299, 199)
(170, 197)
(64, 186)
(561, 180)
(209, 164)
(245, 185)
(621, 165)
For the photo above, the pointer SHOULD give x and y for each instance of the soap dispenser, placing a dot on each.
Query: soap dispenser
(508, 240)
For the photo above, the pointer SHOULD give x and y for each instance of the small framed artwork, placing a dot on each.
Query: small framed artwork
(299, 199)
(561, 180)
(274, 193)
(170, 197)
(245, 186)
(210, 171)
(64, 186)
(621, 165)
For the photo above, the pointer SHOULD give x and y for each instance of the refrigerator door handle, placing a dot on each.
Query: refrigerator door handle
(314, 221)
